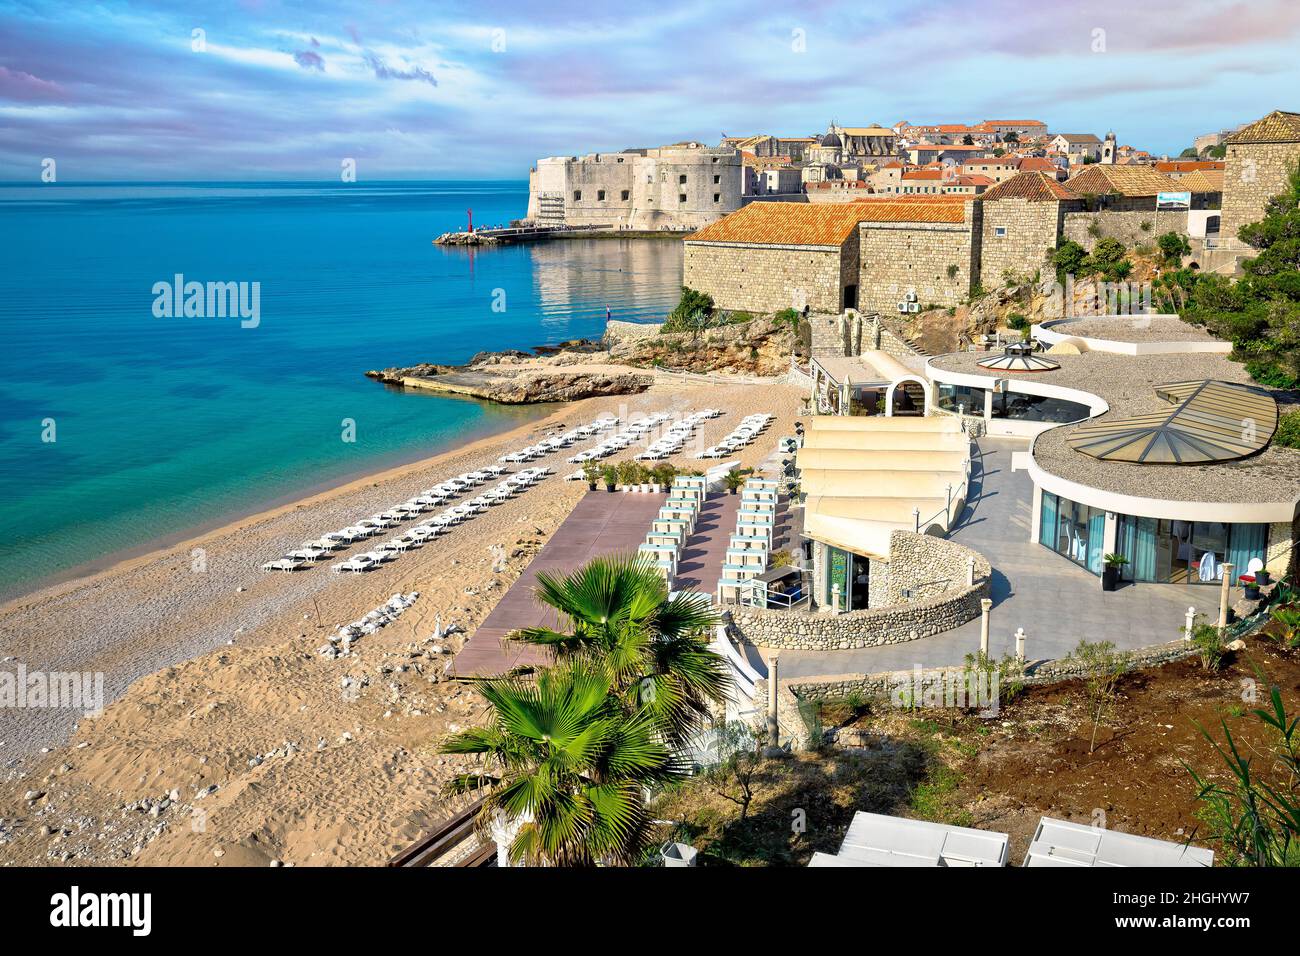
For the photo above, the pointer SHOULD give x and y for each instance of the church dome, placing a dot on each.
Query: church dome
(830, 139)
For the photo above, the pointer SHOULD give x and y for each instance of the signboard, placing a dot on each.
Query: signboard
(1174, 200)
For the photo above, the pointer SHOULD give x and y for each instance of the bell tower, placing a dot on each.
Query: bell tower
(1108, 149)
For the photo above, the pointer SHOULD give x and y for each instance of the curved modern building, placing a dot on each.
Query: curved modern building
(1144, 440)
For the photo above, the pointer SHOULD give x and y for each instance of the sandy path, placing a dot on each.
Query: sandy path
(307, 771)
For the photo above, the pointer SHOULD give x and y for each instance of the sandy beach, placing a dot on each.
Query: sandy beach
(227, 740)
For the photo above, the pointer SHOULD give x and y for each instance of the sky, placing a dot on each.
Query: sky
(267, 89)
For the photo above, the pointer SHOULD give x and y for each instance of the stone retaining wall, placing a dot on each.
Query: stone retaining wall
(617, 331)
(882, 687)
(933, 568)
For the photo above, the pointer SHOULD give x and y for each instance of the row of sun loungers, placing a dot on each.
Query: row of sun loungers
(555, 443)
(674, 439)
(429, 529)
(743, 434)
(635, 431)
(749, 548)
(340, 642)
(674, 524)
(429, 499)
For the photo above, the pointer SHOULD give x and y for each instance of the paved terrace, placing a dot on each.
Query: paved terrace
(1055, 601)
(601, 524)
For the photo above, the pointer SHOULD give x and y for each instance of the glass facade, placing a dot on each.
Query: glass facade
(1037, 408)
(1073, 530)
(950, 396)
(1187, 552)
(848, 578)
(1158, 550)
(1012, 405)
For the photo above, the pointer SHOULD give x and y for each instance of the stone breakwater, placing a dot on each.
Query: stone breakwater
(933, 570)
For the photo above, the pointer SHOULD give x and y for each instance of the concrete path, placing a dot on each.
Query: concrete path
(1055, 601)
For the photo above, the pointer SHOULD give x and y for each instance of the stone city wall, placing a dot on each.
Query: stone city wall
(1130, 228)
(897, 258)
(1254, 174)
(765, 278)
(1030, 231)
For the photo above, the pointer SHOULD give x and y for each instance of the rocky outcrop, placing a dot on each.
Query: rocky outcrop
(524, 387)
(760, 346)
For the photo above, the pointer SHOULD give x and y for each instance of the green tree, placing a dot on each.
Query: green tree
(693, 311)
(1102, 666)
(653, 649)
(567, 759)
(1173, 246)
(1068, 258)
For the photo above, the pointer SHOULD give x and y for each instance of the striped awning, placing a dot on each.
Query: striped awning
(1210, 421)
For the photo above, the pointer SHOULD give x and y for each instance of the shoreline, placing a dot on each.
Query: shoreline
(59, 582)
(217, 699)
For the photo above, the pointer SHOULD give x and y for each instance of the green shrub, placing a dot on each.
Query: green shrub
(1173, 246)
(1017, 321)
(1068, 258)
(1288, 430)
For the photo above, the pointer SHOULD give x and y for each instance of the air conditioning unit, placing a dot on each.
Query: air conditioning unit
(910, 297)
(902, 307)
(914, 307)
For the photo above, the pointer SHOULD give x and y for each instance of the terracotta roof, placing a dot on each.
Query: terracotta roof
(1014, 123)
(1276, 127)
(1037, 164)
(1034, 186)
(1078, 137)
(1187, 165)
(1100, 179)
(868, 131)
(974, 179)
(806, 224)
(923, 174)
(1201, 181)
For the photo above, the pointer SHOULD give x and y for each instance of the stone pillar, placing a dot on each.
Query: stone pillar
(1191, 623)
(1223, 595)
(970, 572)
(1020, 645)
(988, 409)
(773, 688)
(986, 605)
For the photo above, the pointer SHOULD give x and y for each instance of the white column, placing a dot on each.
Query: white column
(1191, 623)
(1020, 645)
(1223, 595)
(773, 719)
(986, 605)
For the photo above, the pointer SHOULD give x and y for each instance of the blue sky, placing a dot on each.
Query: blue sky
(117, 90)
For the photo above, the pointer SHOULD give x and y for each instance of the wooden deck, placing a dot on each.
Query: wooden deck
(602, 523)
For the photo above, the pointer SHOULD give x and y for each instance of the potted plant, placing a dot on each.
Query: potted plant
(662, 476)
(610, 474)
(1262, 577)
(626, 471)
(1114, 563)
(734, 479)
(591, 472)
(1251, 586)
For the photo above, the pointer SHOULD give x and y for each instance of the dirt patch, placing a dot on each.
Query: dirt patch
(1036, 758)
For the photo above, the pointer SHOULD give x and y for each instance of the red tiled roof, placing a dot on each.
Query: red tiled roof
(1034, 186)
(1188, 165)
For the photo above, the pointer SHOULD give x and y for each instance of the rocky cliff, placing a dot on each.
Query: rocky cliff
(760, 346)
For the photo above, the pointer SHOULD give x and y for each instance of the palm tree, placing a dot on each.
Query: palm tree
(570, 763)
(735, 478)
(653, 650)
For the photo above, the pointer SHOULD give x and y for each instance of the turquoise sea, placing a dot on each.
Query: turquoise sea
(166, 424)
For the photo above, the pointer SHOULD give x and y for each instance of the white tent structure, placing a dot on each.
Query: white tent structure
(878, 840)
(1061, 843)
(867, 476)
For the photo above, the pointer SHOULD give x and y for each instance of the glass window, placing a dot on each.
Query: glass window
(952, 396)
(1073, 530)
(1037, 408)
(1187, 552)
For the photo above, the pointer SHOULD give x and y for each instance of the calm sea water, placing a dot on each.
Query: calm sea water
(162, 424)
